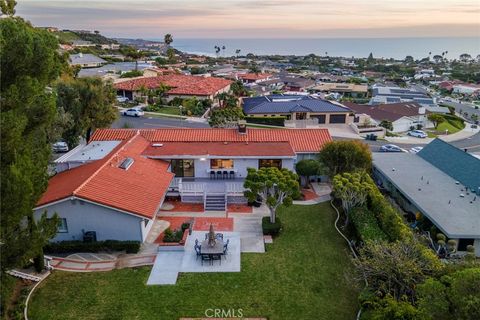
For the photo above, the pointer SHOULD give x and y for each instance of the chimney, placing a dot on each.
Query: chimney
(242, 127)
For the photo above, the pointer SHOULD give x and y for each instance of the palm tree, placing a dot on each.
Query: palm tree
(135, 55)
(217, 50)
(223, 50)
(168, 39)
(237, 52)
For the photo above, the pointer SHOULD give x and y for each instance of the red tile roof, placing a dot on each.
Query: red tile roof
(301, 140)
(180, 84)
(138, 190)
(232, 149)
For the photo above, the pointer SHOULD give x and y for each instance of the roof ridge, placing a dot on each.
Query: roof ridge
(106, 162)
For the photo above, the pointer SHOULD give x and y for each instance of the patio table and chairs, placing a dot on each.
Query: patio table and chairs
(221, 174)
(212, 248)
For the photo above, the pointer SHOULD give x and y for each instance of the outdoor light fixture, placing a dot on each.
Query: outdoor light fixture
(203, 159)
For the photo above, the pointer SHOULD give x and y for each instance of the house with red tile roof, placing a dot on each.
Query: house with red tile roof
(117, 191)
(254, 77)
(181, 86)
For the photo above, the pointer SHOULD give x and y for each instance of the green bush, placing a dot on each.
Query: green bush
(80, 246)
(366, 225)
(185, 226)
(271, 121)
(172, 236)
(271, 229)
(132, 74)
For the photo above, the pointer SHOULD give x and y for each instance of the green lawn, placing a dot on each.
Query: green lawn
(452, 126)
(303, 275)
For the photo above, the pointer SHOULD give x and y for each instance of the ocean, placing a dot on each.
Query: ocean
(397, 48)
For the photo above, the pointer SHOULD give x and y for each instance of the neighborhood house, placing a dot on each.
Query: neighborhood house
(115, 185)
(439, 186)
(180, 86)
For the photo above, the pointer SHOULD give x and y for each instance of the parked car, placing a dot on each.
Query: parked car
(391, 148)
(133, 112)
(417, 134)
(415, 149)
(60, 146)
(122, 99)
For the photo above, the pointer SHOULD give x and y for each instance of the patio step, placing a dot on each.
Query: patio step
(215, 203)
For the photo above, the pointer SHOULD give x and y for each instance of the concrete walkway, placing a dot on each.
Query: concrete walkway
(251, 234)
(323, 191)
(166, 268)
(81, 263)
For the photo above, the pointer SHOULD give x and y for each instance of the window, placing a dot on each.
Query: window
(268, 163)
(62, 226)
(221, 163)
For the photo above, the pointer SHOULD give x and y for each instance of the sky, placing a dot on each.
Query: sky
(260, 19)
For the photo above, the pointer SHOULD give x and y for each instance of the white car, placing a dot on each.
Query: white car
(417, 134)
(133, 112)
(60, 146)
(415, 149)
(122, 99)
(391, 148)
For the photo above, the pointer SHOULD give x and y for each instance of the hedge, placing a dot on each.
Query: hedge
(80, 246)
(271, 229)
(271, 121)
(366, 224)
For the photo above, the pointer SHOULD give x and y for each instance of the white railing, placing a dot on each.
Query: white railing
(191, 188)
(234, 188)
(175, 183)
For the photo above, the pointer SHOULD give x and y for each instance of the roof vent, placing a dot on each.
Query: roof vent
(126, 163)
(157, 144)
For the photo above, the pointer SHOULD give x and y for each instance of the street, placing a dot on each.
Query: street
(472, 144)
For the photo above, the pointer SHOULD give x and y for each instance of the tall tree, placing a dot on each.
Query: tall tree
(274, 186)
(8, 7)
(345, 156)
(168, 39)
(307, 168)
(436, 119)
(29, 63)
(90, 102)
(353, 189)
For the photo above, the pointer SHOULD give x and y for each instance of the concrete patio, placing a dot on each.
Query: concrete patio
(169, 264)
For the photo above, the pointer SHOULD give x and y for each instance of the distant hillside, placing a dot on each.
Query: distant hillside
(67, 36)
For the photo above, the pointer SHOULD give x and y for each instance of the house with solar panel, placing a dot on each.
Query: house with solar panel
(114, 186)
(440, 184)
(298, 109)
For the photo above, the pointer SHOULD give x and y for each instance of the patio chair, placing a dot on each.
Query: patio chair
(232, 174)
(198, 250)
(225, 247)
(219, 236)
(212, 174)
(206, 236)
(225, 174)
(206, 257)
(219, 174)
(216, 257)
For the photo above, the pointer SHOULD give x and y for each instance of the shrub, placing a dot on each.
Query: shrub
(470, 248)
(366, 225)
(132, 74)
(172, 236)
(441, 236)
(80, 246)
(271, 121)
(185, 226)
(271, 229)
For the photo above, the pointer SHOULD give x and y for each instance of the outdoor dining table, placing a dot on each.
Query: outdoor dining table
(216, 250)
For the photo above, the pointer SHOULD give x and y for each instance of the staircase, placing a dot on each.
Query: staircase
(215, 202)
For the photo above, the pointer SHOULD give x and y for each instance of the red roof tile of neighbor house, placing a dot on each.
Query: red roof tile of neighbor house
(301, 140)
(180, 84)
(254, 76)
(231, 149)
(391, 112)
(138, 190)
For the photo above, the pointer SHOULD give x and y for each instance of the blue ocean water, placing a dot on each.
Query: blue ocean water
(397, 48)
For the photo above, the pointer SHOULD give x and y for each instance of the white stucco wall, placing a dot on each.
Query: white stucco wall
(108, 223)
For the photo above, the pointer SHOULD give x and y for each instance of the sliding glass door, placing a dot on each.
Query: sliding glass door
(183, 167)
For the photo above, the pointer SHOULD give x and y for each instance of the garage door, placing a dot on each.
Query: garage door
(337, 118)
(320, 117)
